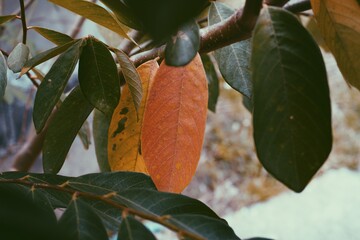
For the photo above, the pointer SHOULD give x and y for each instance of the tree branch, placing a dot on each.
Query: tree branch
(163, 220)
(236, 28)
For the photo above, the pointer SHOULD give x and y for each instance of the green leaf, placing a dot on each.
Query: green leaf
(92, 12)
(6, 18)
(206, 227)
(18, 56)
(98, 76)
(17, 212)
(53, 85)
(292, 114)
(44, 56)
(233, 60)
(53, 36)
(162, 203)
(3, 75)
(213, 81)
(183, 46)
(131, 76)
(131, 229)
(123, 13)
(100, 132)
(63, 129)
(81, 223)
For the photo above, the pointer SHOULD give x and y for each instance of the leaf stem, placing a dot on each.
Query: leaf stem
(163, 220)
(23, 20)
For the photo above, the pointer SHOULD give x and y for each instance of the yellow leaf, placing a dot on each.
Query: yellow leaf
(125, 130)
(94, 13)
(339, 23)
(174, 124)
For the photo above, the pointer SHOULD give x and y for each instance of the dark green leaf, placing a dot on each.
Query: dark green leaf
(21, 218)
(4, 19)
(63, 129)
(52, 86)
(183, 46)
(56, 37)
(3, 75)
(206, 227)
(123, 13)
(44, 56)
(18, 56)
(100, 131)
(98, 76)
(132, 229)
(292, 114)
(81, 223)
(162, 203)
(213, 81)
(132, 78)
(233, 60)
(112, 182)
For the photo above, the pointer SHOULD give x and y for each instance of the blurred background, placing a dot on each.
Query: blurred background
(229, 177)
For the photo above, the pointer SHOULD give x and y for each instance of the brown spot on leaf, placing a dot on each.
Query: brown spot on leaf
(121, 127)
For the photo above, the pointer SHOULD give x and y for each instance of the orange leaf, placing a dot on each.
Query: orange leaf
(174, 124)
(125, 129)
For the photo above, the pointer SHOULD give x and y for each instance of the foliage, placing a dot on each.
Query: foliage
(148, 130)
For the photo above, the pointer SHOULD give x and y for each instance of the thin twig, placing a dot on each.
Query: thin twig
(163, 220)
(23, 20)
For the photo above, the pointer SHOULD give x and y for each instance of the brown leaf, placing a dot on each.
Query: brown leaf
(174, 124)
(124, 152)
(339, 23)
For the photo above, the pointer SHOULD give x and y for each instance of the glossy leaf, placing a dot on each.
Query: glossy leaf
(98, 76)
(53, 36)
(53, 85)
(124, 148)
(292, 115)
(162, 203)
(17, 211)
(100, 132)
(133, 190)
(339, 24)
(17, 58)
(3, 75)
(44, 56)
(81, 222)
(213, 81)
(132, 78)
(233, 60)
(131, 229)
(123, 13)
(63, 129)
(6, 18)
(206, 227)
(174, 124)
(184, 45)
(92, 12)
